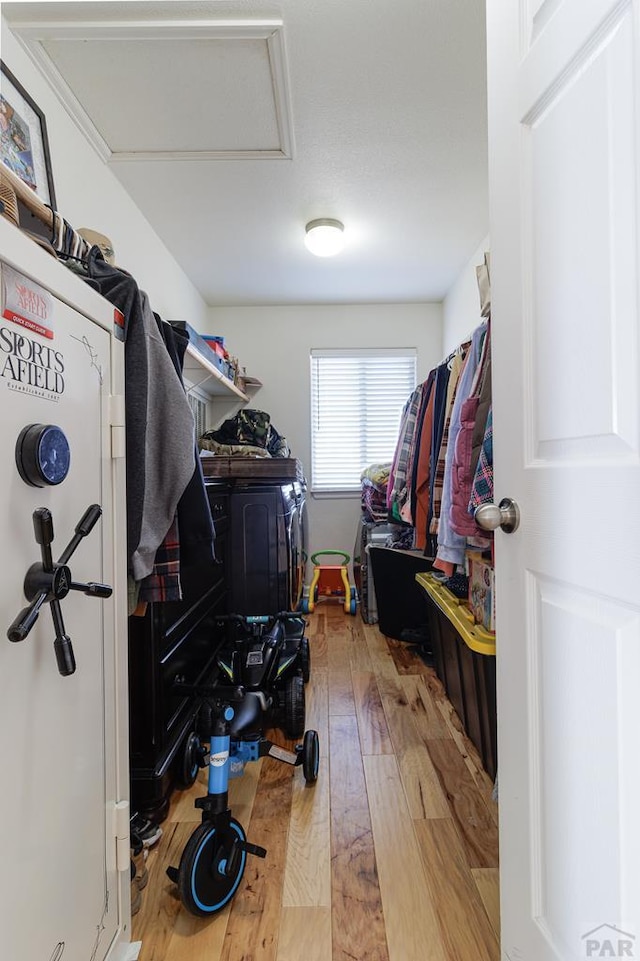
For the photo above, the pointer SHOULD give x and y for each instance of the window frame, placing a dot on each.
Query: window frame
(406, 354)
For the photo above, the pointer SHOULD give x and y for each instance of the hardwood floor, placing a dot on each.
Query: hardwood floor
(391, 856)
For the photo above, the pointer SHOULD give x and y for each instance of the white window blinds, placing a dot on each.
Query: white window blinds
(357, 398)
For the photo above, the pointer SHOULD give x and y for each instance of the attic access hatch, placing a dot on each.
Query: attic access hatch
(221, 86)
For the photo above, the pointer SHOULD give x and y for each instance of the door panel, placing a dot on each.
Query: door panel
(580, 157)
(563, 145)
(573, 626)
(59, 882)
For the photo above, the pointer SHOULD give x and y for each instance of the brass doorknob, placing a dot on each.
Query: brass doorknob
(505, 515)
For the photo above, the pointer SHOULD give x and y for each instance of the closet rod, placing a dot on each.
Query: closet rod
(28, 198)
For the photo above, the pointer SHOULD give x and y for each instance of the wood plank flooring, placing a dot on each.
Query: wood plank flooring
(391, 856)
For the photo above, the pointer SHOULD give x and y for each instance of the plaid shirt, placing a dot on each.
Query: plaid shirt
(482, 490)
(163, 583)
(398, 490)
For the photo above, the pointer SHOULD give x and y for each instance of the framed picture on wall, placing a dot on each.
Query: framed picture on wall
(24, 147)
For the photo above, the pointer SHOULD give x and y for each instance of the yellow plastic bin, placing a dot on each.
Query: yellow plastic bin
(464, 654)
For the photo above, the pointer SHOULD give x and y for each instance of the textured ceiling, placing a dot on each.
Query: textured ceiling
(369, 111)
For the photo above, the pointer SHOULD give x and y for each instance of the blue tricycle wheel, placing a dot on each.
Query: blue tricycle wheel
(211, 867)
(304, 605)
(353, 605)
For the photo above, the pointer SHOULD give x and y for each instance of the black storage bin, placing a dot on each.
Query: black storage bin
(402, 608)
(469, 679)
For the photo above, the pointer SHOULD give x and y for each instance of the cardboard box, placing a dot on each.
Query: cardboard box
(482, 595)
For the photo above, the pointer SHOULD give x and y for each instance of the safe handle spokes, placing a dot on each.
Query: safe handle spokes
(47, 582)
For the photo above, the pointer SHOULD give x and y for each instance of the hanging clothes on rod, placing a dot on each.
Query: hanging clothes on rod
(454, 366)
(398, 490)
(443, 464)
(402, 481)
(473, 420)
(450, 545)
(417, 475)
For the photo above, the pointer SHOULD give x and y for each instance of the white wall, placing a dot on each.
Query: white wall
(461, 306)
(88, 195)
(274, 343)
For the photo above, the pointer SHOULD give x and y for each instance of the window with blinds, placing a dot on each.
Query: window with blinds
(357, 397)
(199, 411)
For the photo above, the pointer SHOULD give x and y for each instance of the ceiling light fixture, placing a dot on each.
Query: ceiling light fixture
(324, 237)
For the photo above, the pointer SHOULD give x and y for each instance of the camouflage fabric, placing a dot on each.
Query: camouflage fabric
(251, 427)
(278, 446)
(232, 450)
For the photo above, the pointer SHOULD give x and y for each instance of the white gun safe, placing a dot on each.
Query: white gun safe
(64, 813)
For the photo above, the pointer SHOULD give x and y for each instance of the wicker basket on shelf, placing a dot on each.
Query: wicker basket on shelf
(9, 201)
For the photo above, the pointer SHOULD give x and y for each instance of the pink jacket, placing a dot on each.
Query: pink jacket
(465, 458)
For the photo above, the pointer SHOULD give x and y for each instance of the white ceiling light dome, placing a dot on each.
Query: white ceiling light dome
(324, 237)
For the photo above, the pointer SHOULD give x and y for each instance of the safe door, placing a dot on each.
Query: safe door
(61, 894)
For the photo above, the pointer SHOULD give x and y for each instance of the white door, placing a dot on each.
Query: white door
(58, 883)
(564, 134)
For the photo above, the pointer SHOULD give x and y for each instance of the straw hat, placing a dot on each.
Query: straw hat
(94, 239)
(9, 202)
(10, 212)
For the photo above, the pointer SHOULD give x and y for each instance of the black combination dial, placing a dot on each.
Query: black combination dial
(43, 456)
